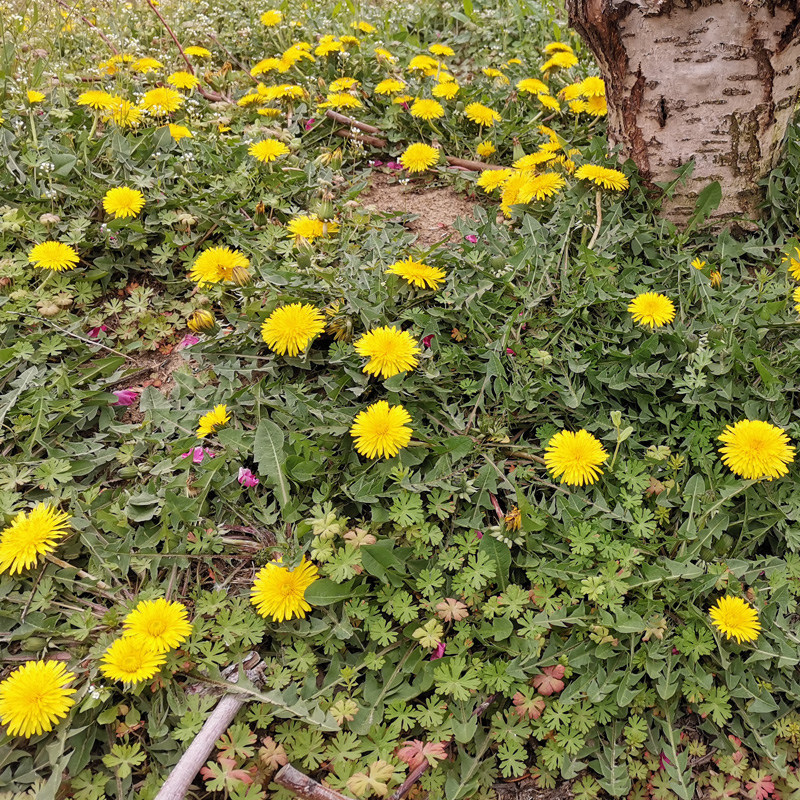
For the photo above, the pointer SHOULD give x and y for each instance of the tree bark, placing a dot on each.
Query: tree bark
(714, 81)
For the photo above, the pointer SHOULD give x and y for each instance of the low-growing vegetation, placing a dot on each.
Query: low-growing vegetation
(517, 500)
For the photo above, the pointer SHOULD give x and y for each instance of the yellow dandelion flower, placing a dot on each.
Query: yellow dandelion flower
(652, 309)
(183, 80)
(560, 60)
(418, 274)
(532, 86)
(755, 449)
(146, 65)
(795, 297)
(162, 101)
(736, 618)
(491, 72)
(265, 65)
(290, 329)
(485, 149)
(793, 260)
(161, 624)
(122, 201)
(216, 264)
(362, 26)
(423, 108)
(422, 62)
(441, 50)
(596, 106)
(279, 592)
(541, 187)
(35, 697)
(347, 39)
(53, 255)
(178, 132)
(341, 100)
(123, 113)
(200, 321)
(131, 660)
(481, 115)
(382, 54)
(268, 150)
(310, 228)
(513, 519)
(446, 90)
(716, 278)
(327, 45)
(593, 86)
(389, 350)
(271, 18)
(550, 103)
(533, 160)
(698, 263)
(575, 458)
(381, 431)
(390, 86)
(213, 420)
(602, 176)
(491, 179)
(419, 157)
(34, 96)
(269, 112)
(402, 99)
(557, 47)
(96, 99)
(343, 85)
(577, 106)
(199, 52)
(571, 92)
(31, 534)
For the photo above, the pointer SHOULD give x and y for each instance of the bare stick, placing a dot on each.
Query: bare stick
(350, 122)
(304, 787)
(405, 787)
(91, 25)
(183, 773)
(214, 97)
(362, 137)
(465, 163)
(174, 37)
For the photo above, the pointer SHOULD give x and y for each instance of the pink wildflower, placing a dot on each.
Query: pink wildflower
(125, 397)
(246, 478)
(426, 341)
(187, 341)
(471, 238)
(197, 454)
(94, 333)
(438, 652)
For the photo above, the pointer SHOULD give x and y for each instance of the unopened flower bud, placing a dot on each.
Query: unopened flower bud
(201, 320)
(241, 276)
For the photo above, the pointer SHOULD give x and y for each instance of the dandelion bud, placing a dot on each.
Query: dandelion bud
(260, 217)
(241, 276)
(200, 321)
(325, 210)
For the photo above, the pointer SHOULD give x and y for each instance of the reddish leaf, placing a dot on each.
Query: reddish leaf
(761, 787)
(416, 752)
(550, 681)
(527, 706)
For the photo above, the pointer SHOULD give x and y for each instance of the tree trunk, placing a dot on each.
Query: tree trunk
(712, 81)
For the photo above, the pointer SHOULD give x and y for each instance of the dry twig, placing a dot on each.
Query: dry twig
(304, 787)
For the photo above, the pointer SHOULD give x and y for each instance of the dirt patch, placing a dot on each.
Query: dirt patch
(154, 369)
(435, 209)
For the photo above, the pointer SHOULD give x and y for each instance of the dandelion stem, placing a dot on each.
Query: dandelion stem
(599, 207)
(79, 572)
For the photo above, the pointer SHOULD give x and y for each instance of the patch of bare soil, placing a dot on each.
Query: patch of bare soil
(154, 369)
(526, 789)
(435, 210)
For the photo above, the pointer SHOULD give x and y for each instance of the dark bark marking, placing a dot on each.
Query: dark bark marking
(662, 112)
(766, 74)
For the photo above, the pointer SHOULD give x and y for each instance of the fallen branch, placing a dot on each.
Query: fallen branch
(405, 787)
(304, 787)
(350, 122)
(362, 137)
(214, 97)
(183, 773)
(463, 163)
(91, 25)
